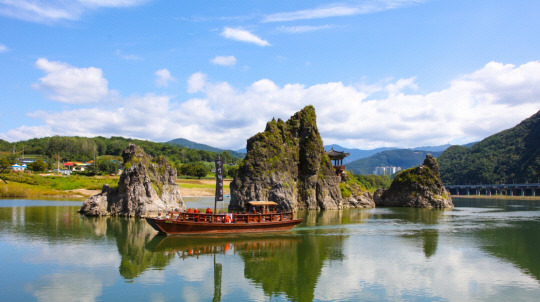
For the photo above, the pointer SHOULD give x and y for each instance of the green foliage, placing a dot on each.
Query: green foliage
(198, 170)
(345, 191)
(108, 166)
(374, 182)
(37, 166)
(231, 171)
(509, 156)
(5, 165)
(61, 182)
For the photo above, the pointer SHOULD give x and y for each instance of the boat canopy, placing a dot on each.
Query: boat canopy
(262, 203)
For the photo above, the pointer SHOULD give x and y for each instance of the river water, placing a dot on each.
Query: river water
(482, 250)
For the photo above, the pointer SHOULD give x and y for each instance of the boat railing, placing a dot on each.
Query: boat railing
(230, 218)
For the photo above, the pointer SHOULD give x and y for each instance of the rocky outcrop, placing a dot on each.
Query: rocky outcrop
(288, 164)
(419, 187)
(146, 187)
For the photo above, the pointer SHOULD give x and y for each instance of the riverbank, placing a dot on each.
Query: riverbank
(497, 197)
(35, 186)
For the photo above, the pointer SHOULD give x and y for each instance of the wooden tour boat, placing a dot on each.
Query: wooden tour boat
(266, 218)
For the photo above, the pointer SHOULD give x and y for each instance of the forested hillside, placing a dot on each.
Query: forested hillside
(4, 145)
(404, 158)
(74, 148)
(509, 156)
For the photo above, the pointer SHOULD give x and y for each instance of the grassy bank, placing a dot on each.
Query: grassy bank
(28, 185)
(35, 186)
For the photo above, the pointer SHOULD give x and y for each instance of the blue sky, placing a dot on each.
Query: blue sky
(401, 73)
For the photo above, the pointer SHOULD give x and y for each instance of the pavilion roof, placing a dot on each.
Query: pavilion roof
(337, 154)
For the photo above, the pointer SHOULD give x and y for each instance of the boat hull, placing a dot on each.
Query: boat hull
(176, 227)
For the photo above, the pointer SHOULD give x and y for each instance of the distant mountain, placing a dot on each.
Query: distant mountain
(356, 153)
(404, 158)
(433, 148)
(196, 146)
(244, 151)
(512, 155)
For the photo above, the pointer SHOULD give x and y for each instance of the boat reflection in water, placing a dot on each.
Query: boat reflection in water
(280, 263)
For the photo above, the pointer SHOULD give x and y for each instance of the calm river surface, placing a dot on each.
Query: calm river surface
(482, 250)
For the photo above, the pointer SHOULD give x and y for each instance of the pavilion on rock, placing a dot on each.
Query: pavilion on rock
(337, 157)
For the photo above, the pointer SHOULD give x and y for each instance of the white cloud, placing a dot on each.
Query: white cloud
(112, 3)
(3, 48)
(196, 82)
(316, 13)
(303, 29)
(164, 77)
(70, 84)
(130, 57)
(224, 60)
(243, 35)
(56, 10)
(339, 10)
(391, 113)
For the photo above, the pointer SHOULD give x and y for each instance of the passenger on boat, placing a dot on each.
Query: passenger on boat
(190, 210)
(208, 211)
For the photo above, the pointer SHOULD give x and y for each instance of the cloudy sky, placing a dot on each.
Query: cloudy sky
(380, 73)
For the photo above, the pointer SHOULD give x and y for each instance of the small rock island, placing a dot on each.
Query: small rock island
(419, 187)
(146, 187)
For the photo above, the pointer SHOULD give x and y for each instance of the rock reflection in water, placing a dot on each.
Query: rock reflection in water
(131, 235)
(429, 237)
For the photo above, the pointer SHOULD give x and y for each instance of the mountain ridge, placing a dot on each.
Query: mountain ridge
(512, 155)
(197, 146)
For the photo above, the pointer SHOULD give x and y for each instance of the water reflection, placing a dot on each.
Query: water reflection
(380, 254)
(428, 233)
(281, 263)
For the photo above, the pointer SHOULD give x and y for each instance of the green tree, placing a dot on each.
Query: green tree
(37, 166)
(108, 166)
(5, 166)
(200, 170)
(232, 170)
(186, 169)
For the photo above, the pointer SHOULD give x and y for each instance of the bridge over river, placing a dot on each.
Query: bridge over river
(530, 189)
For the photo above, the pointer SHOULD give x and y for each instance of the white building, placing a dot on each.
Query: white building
(16, 167)
(386, 170)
